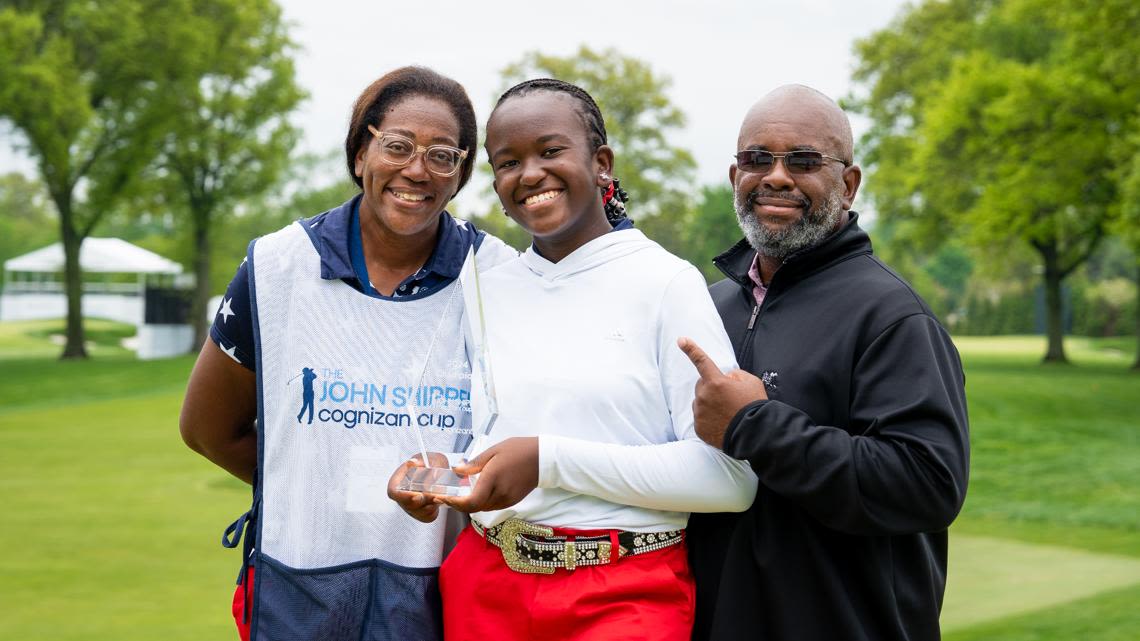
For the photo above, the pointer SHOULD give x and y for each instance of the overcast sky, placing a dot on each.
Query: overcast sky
(721, 55)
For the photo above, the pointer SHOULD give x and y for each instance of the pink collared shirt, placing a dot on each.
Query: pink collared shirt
(758, 288)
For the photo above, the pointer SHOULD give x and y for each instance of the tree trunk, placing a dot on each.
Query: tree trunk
(74, 348)
(201, 297)
(1054, 327)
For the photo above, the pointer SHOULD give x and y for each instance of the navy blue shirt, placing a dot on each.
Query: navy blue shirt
(336, 236)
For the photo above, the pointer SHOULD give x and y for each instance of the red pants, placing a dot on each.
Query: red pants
(645, 597)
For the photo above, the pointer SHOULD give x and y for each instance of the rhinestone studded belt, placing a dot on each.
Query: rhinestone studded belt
(535, 549)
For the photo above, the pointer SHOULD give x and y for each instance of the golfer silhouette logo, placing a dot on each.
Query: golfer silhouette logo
(307, 377)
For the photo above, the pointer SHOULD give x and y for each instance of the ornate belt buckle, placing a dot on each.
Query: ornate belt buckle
(509, 533)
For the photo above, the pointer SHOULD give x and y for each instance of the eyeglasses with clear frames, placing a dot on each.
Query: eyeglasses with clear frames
(441, 160)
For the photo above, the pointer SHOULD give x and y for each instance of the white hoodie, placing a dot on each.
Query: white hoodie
(584, 355)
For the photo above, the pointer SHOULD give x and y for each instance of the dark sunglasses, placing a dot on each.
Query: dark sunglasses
(758, 161)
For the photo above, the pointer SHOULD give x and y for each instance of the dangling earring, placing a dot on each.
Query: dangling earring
(604, 176)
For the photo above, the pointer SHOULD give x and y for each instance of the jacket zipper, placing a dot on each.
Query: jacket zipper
(746, 349)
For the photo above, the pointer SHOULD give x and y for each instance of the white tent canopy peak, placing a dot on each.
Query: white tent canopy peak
(96, 255)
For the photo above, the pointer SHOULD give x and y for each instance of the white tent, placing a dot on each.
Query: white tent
(102, 255)
(34, 288)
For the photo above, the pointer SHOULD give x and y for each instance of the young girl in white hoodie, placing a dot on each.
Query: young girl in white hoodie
(587, 479)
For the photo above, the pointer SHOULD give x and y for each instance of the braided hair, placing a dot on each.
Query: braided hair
(613, 196)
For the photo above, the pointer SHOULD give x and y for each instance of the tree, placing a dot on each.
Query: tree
(1038, 116)
(1102, 44)
(639, 120)
(25, 216)
(232, 138)
(88, 85)
(941, 275)
(1128, 225)
(899, 67)
(310, 185)
(711, 230)
(991, 120)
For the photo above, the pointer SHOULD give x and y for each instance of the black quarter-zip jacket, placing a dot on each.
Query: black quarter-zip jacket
(862, 452)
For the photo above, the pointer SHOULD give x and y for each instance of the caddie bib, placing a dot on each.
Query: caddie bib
(342, 391)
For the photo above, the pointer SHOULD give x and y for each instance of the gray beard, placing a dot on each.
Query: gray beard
(816, 224)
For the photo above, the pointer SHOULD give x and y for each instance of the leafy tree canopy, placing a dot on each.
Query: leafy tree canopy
(998, 121)
(90, 87)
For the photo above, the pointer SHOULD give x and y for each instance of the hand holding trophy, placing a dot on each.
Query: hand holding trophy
(428, 472)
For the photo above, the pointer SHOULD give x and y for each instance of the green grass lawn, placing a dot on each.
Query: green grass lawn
(44, 339)
(1054, 447)
(997, 578)
(111, 526)
(1056, 467)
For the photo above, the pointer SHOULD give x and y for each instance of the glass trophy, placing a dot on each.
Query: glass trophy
(475, 405)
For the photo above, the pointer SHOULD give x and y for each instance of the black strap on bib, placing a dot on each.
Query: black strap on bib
(234, 533)
(238, 531)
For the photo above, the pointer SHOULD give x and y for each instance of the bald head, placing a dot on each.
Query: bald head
(803, 109)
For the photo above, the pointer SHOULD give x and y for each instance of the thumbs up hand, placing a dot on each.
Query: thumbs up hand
(718, 396)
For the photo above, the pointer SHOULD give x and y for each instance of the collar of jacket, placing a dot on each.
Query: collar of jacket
(849, 241)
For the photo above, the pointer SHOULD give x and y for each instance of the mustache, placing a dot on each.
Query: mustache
(803, 201)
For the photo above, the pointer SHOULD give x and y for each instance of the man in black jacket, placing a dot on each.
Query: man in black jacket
(850, 406)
